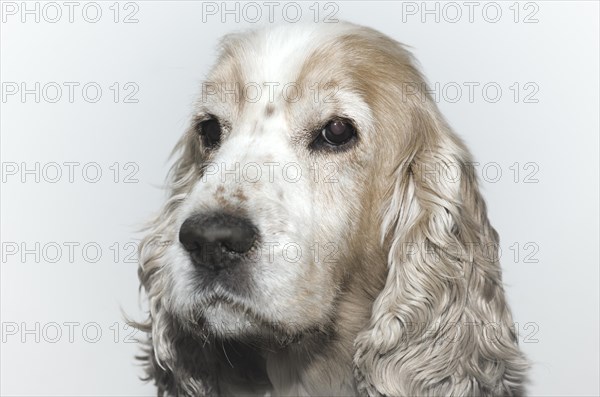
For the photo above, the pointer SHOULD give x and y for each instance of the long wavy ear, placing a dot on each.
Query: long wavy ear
(441, 325)
(178, 362)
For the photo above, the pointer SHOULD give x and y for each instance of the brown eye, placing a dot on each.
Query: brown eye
(211, 132)
(338, 132)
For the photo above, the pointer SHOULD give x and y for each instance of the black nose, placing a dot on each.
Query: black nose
(217, 240)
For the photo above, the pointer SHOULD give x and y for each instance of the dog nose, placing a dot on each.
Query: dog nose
(217, 240)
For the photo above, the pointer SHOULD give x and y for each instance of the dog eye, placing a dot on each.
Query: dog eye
(211, 132)
(338, 132)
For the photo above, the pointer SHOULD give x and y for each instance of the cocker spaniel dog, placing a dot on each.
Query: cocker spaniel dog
(324, 233)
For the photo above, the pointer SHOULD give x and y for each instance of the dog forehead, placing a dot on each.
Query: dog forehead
(272, 59)
(277, 54)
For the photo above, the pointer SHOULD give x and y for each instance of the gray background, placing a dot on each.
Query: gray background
(547, 213)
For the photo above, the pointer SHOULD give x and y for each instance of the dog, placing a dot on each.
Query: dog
(324, 233)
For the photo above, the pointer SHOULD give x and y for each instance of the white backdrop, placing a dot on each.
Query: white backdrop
(80, 172)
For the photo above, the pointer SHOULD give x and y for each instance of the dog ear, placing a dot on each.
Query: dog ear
(178, 362)
(441, 324)
(174, 360)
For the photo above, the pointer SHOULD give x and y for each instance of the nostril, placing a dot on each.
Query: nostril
(203, 234)
(189, 234)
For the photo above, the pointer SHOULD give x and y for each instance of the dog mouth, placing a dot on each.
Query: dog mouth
(224, 318)
(220, 307)
(219, 299)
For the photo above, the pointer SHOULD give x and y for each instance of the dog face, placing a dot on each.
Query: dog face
(286, 155)
(319, 189)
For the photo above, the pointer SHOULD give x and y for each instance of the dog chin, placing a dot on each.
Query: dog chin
(226, 320)
(229, 322)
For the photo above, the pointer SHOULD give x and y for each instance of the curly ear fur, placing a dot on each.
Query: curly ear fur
(441, 325)
(173, 357)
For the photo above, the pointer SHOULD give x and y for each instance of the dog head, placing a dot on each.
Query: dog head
(318, 169)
